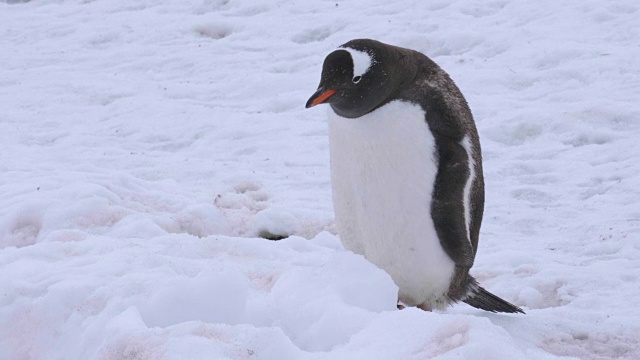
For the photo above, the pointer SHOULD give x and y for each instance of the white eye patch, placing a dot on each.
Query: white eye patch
(362, 61)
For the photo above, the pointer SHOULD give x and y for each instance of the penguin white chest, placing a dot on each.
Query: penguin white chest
(383, 171)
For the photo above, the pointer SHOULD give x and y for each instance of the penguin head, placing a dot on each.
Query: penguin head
(358, 77)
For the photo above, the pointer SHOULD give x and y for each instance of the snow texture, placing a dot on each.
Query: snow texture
(147, 145)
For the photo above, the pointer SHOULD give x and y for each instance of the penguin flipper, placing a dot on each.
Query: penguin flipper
(458, 234)
(447, 206)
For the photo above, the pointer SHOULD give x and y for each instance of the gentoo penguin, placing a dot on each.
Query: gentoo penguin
(406, 172)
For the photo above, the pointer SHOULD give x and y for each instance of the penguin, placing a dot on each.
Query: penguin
(406, 172)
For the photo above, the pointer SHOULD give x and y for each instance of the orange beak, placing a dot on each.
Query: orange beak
(319, 97)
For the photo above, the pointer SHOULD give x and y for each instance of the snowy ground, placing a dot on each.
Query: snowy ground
(147, 144)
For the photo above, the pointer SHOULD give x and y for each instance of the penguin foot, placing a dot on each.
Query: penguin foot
(401, 305)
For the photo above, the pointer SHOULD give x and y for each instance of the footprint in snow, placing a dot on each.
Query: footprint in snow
(213, 5)
(241, 203)
(484, 9)
(23, 234)
(23, 228)
(214, 31)
(449, 337)
(595, 345)
(589, 138)
(315, 34)
(545, 294)
(533, 196)
(246, 210)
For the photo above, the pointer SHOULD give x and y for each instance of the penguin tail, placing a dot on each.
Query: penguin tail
(480, 298)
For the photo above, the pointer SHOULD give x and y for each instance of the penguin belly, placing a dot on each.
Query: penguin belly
(383, 170)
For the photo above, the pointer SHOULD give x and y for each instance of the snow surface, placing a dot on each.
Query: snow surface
(147, 144)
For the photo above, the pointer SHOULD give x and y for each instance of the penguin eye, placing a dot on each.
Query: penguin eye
(356, 79)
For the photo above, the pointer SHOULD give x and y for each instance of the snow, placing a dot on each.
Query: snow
(146, 145)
